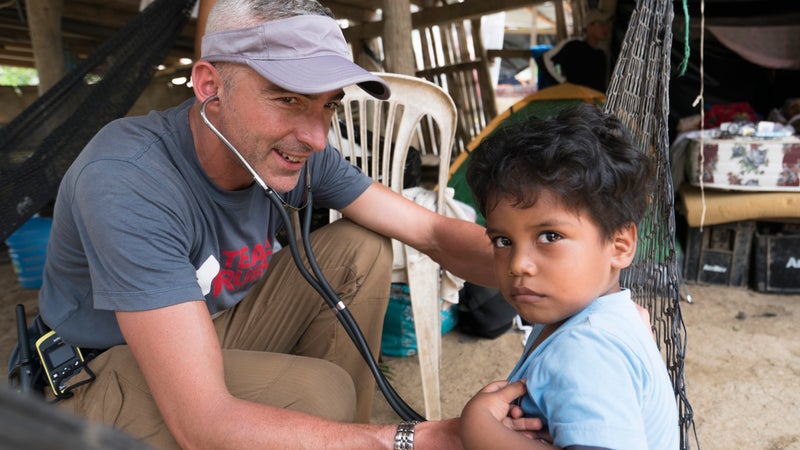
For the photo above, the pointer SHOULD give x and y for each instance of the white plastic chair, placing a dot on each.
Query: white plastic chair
(420, 114)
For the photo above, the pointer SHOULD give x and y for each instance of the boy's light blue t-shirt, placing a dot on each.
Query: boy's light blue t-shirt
(600, 380)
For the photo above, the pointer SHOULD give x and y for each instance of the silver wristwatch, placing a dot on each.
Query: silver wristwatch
(404, 438)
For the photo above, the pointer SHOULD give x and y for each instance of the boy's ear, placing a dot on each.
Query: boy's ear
(624, 247)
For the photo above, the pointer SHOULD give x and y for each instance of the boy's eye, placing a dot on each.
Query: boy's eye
(501, 241)
(548, 237)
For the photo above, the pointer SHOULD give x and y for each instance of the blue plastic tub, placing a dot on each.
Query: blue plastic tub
(399, 336)
(27, 248)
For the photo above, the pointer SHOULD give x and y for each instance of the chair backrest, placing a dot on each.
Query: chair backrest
(376, 135)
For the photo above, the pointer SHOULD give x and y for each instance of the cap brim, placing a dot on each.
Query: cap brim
(320, 74)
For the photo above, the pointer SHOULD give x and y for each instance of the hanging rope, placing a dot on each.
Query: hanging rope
(702, 101)
(686, 46)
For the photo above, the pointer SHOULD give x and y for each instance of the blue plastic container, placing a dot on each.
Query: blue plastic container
(399, 336)
(27, 248)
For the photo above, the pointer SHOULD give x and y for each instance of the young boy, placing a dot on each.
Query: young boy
(562, 199)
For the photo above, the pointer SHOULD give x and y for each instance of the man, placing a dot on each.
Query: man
(581, 60)
(161, 252)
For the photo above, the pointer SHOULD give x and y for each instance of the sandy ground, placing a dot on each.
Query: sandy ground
(742, 365)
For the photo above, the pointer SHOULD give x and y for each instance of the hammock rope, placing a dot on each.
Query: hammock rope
(38, 146)
(638, 95)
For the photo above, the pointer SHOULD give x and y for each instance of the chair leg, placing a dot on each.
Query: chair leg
(423, 285)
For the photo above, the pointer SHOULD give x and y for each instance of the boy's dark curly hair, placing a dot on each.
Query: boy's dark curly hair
(583, 156)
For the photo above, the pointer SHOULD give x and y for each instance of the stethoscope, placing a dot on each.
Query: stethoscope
(317, 280)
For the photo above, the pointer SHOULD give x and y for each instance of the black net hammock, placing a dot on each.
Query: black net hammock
(638, 96)
(38, 146)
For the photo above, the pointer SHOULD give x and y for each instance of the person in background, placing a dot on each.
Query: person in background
(580, 60)
(162, 259)
(562, 199)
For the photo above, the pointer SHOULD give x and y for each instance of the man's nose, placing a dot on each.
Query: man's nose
(314, 133)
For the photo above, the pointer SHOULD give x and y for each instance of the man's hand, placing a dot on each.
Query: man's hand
(438, 434)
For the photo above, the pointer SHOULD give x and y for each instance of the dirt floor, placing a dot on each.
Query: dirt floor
(742, 364)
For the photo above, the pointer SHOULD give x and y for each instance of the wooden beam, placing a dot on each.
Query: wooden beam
(354, 13)
(441, 15)
(21, 61)
(561, 22)
(469, 9)
(111, 14)
(544, 18)
(202, 16)
(15, 41)
(508, 53)
(44, 20)
(397, 43)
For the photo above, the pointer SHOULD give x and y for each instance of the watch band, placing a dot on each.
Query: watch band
(404, 438)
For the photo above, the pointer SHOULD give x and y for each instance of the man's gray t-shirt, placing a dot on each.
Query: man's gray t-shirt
(139, 225)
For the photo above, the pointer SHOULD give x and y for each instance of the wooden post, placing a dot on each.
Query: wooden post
(200, 29)
(534, 41)
(485, 77)
(609, 5)
(397, 46)
(561, 21)
(44, 22)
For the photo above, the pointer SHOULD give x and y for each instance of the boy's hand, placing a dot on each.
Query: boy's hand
(499, 400)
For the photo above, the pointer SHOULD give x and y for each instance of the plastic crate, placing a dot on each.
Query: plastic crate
(719, 254)
(776, 259)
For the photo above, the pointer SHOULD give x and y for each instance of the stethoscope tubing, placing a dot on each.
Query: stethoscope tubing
(317, 280)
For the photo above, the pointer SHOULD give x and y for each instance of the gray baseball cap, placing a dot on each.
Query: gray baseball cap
(306, 54)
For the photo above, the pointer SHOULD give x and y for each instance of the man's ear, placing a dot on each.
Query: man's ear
(624, 247)
(205, 80)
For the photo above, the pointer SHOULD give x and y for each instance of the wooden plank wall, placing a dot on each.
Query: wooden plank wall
(452, 56)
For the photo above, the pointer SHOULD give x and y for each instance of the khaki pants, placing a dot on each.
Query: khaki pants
(282, 345)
